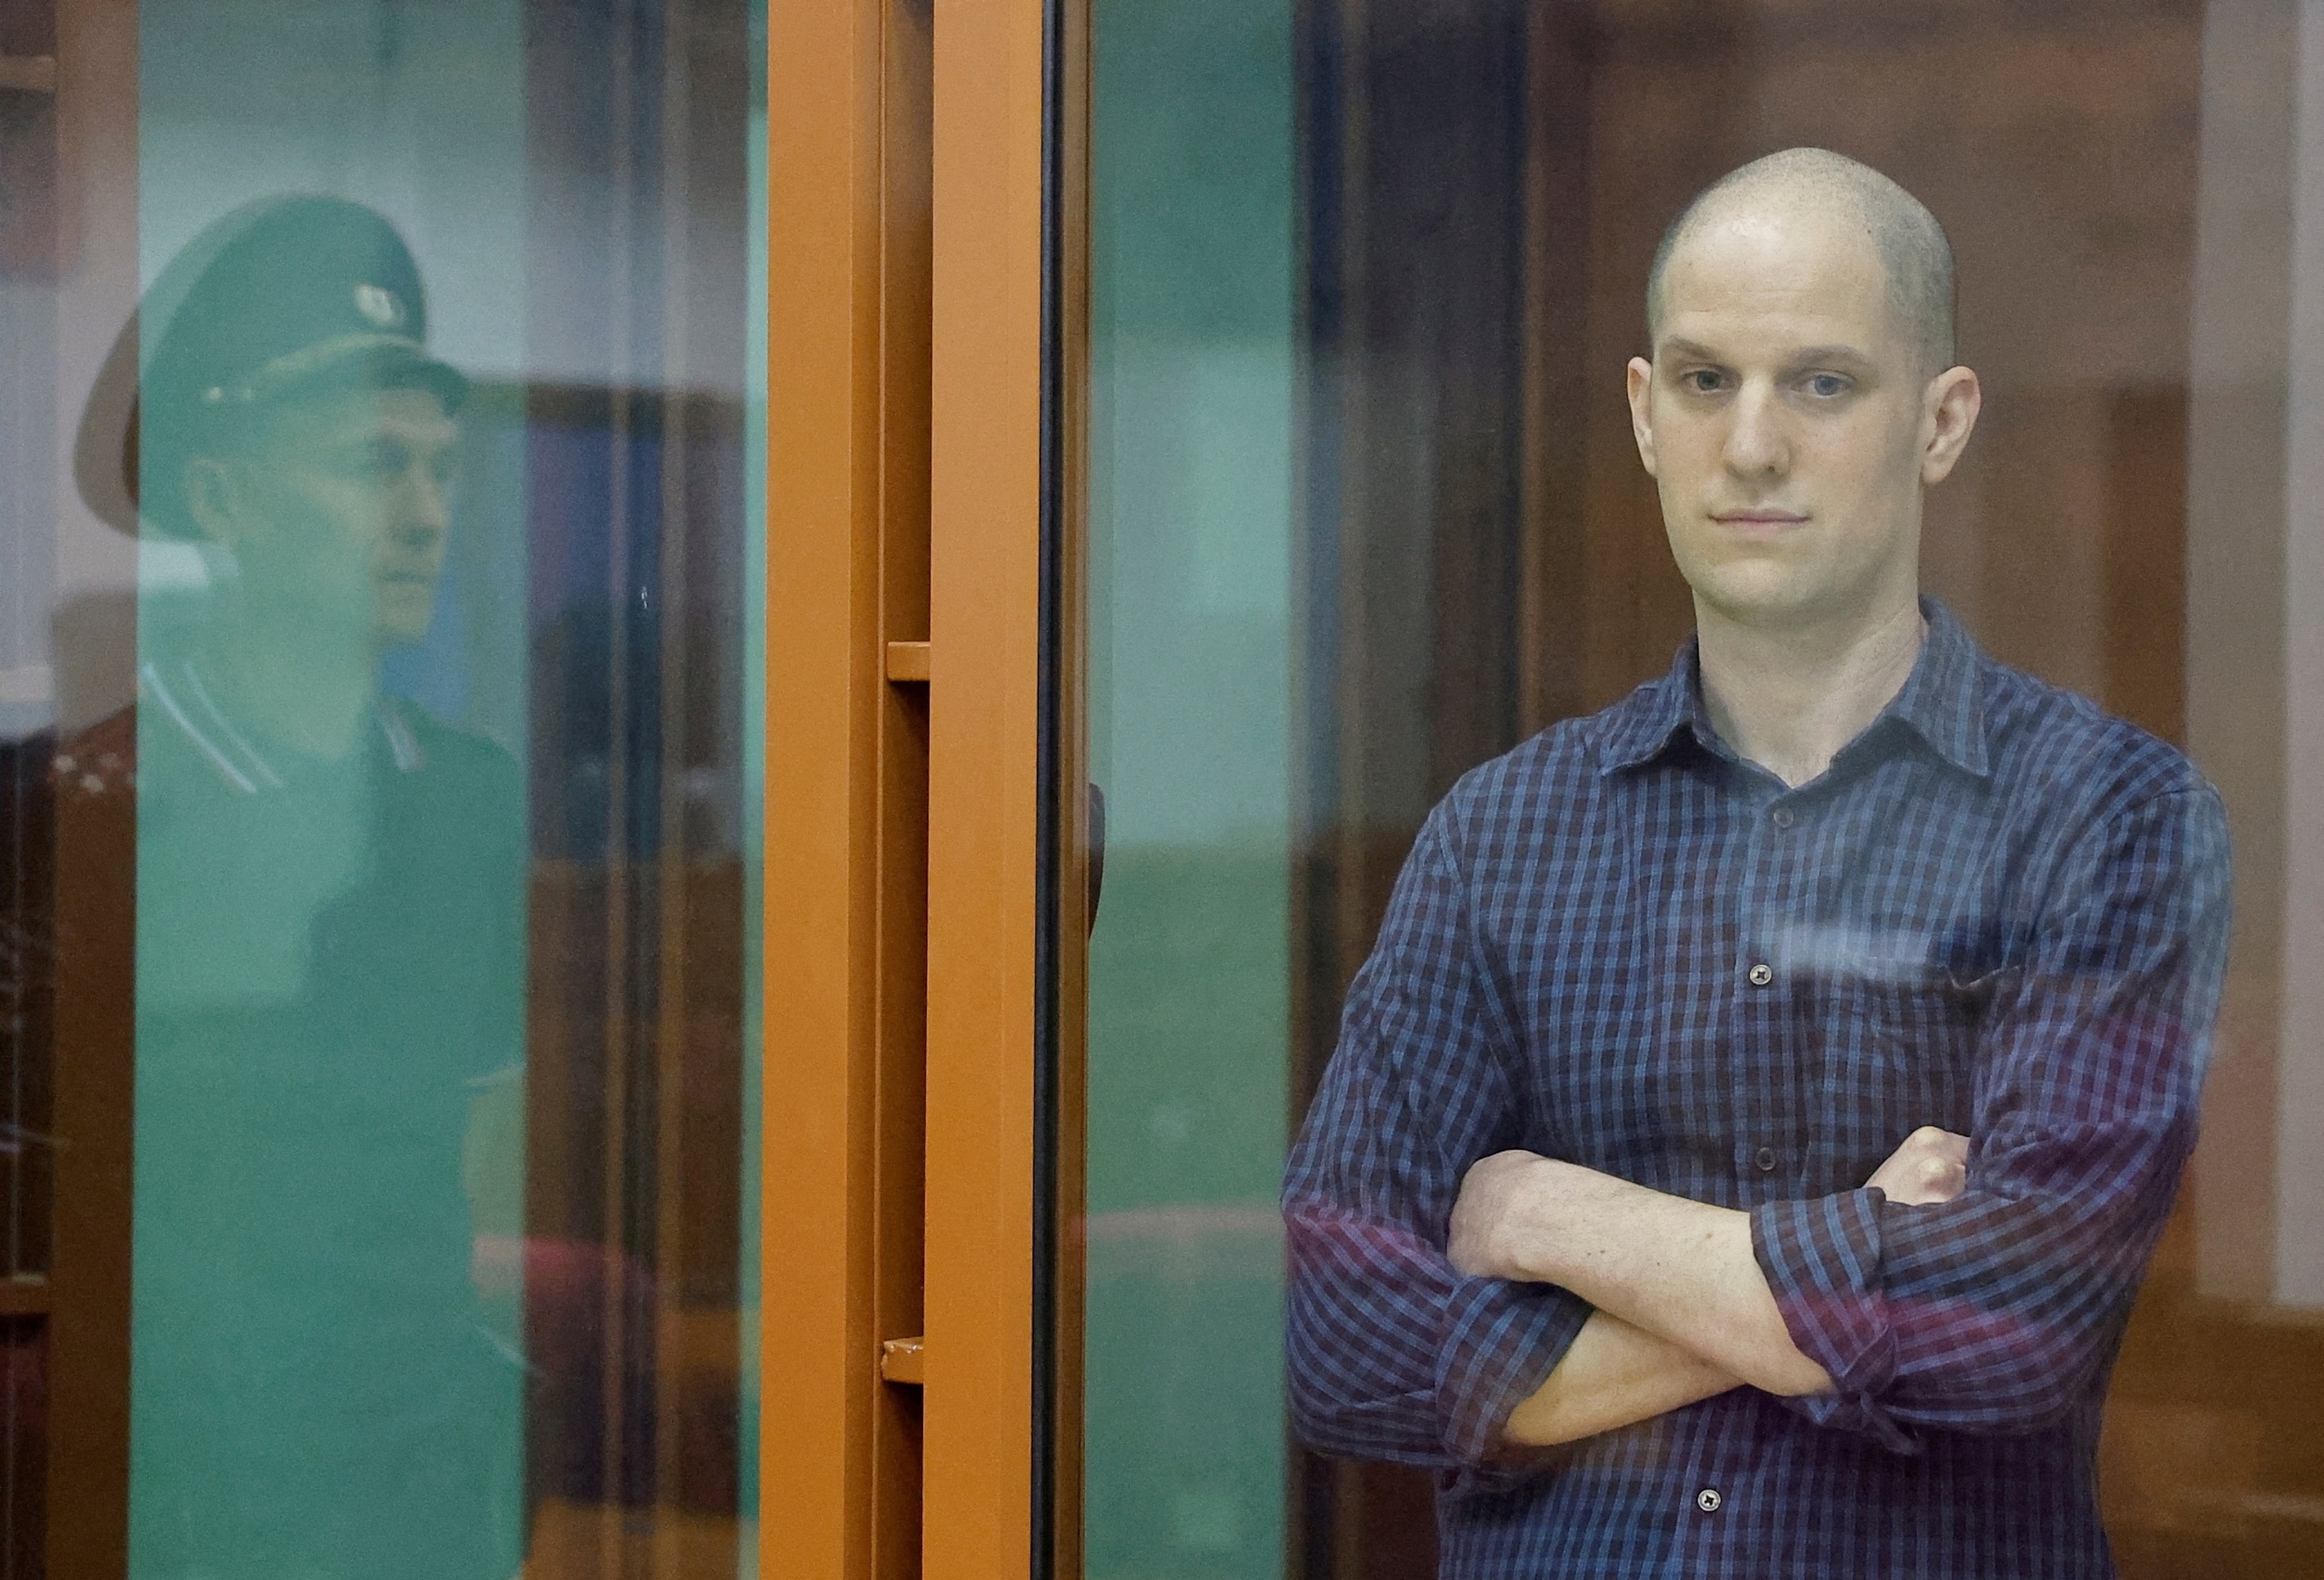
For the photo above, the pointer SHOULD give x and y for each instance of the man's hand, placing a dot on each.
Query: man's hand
(1931, 1167)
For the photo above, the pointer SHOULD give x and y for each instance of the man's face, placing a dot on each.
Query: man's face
(1785, 421)
(338, 511)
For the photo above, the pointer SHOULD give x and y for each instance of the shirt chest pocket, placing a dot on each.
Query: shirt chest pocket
(1898, 1048)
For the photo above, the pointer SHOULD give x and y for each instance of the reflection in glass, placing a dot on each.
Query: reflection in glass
(390, 682)
(330, 981)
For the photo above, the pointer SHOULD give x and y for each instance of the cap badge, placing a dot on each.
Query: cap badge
(380, 305)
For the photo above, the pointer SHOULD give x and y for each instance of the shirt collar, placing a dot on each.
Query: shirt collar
(178, 692)
(1943, 701)
(1647, 722)
(1939, 701)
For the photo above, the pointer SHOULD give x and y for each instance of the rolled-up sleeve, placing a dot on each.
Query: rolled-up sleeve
(1393, 1354)
(1998, 1310)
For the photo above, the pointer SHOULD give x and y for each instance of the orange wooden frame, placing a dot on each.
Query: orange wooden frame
(904, 485)
(824, 695)
(984, 527)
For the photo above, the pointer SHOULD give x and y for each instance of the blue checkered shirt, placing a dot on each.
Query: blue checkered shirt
(1999, 911)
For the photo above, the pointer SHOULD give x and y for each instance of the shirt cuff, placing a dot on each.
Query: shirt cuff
(1501, 1341)
(1822, 1259)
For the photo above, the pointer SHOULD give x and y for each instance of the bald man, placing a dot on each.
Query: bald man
(1748, 1133)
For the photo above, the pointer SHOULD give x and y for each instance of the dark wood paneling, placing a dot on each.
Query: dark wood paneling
(94, 934)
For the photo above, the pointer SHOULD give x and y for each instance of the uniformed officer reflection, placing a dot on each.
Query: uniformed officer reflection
(329, 942)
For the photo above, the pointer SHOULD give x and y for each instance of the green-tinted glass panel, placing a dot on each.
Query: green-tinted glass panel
(1192, 384)
(442, 475)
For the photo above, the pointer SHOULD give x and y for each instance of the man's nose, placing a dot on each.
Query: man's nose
(1756, 445)
(424, 507)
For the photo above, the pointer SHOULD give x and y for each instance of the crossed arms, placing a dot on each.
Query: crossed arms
(1682, 1310)
(1432, 1325)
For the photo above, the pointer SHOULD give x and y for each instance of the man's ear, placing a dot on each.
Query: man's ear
(1641, 380)
(214, 500)
(1948, 415)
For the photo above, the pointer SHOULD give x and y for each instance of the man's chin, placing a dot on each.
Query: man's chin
(402, 615)
(394, 635)
(1761, 595)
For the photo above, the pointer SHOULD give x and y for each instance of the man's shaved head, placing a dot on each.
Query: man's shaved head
(1911, 244)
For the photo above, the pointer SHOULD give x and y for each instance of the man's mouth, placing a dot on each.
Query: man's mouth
(1758, 525)
(1757, 518)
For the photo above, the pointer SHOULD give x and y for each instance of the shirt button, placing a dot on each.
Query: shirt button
(1708, 1500)
(1765, 1159)
(1783, 817)
(1762, 974)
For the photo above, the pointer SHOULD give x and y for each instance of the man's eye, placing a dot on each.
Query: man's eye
(1702, 380)
(1825, 386)
(386, 462)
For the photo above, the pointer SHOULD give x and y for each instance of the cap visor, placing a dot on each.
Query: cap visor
(383, 361)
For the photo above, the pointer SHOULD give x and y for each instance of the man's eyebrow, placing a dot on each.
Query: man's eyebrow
(1826, 355)
(1809, 356)
(1677, 346)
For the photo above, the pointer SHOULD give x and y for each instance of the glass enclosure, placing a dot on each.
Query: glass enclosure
(1190, 972)
(1366, 509)
(379, 667)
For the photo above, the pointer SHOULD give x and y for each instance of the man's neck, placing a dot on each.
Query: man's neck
(1789, 700)
(312, 694)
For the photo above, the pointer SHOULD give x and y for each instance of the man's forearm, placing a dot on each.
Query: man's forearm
(1614, 1374)
(1680, 1270)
